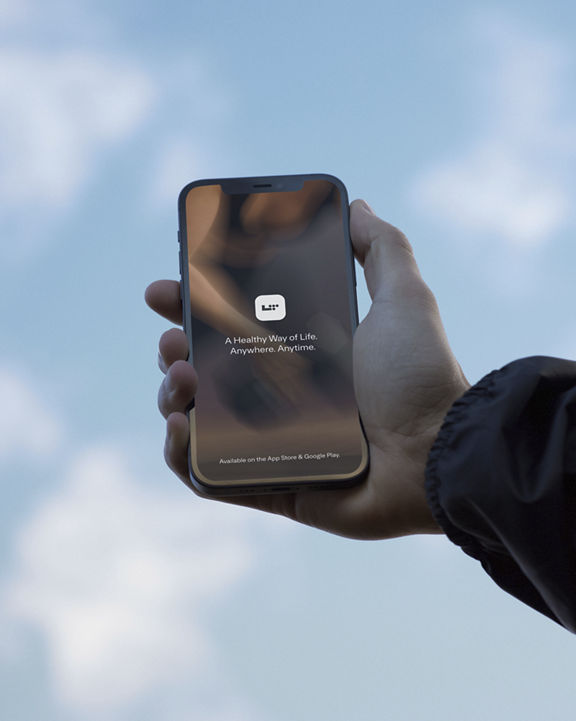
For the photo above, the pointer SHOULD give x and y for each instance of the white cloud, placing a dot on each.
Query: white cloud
(513, 181)
(116, 574)
(12, 11)
(59, 111)
(190, 147)
(493, 188)
(28, 427)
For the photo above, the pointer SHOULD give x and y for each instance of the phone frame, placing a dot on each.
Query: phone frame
(264, 184)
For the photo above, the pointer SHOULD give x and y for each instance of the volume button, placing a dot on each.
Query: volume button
(180, 260)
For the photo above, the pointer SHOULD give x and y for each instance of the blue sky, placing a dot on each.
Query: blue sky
(122, 596)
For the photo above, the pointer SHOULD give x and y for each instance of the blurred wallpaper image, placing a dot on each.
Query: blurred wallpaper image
(125, 597)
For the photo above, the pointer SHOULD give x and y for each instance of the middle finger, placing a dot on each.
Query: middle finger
(173, 346)
(177, 389)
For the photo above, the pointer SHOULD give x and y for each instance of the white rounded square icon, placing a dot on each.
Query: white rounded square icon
(270, 307)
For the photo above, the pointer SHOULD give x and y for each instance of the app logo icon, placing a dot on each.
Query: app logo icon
(270, 307)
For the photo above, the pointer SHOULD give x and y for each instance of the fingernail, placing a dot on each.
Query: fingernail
(366, 207)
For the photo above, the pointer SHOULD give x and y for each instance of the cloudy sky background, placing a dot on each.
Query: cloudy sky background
(122, 596)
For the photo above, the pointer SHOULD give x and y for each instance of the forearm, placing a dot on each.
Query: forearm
(501, 481)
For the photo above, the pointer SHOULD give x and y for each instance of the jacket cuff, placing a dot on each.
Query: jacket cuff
(444, 442)
(501, 481)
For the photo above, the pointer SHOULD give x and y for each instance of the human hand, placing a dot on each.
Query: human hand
(406, 379)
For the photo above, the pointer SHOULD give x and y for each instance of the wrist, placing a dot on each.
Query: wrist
(418, 451)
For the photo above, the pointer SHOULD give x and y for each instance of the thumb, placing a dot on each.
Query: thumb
(385, 254)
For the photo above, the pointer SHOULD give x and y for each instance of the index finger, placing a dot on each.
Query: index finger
(163, 296)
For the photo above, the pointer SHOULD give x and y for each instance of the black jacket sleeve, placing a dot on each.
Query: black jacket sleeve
(501, 481)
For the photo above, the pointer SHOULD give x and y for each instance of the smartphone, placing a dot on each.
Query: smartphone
(269, 309)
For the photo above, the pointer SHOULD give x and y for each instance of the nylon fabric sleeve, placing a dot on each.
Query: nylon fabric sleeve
(501, 481)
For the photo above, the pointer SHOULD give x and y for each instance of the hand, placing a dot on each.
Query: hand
(406, 379)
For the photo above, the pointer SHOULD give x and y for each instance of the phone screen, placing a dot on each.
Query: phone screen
(271, 315)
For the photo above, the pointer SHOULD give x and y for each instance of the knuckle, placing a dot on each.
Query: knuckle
(165, 397)
(383, 233)
(173, 346)
(168, 455)
(419, 293)
(164, 341)
(424, 296)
